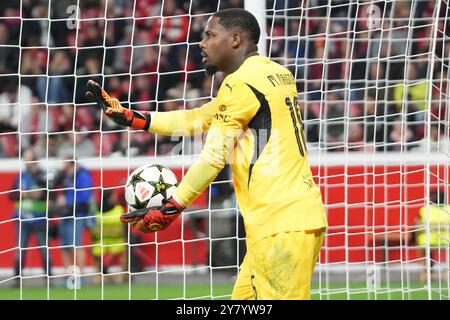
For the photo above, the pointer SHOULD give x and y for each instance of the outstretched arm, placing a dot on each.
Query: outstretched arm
(183, 122)
(236, 109)
(179, 123)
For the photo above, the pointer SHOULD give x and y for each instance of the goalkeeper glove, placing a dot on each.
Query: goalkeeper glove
(155, 218)
(112, 108)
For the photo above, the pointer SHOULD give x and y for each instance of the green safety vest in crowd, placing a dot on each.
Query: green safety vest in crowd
(109, 231)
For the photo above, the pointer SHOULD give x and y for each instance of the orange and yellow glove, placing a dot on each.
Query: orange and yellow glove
(112, 108)
(155, 218)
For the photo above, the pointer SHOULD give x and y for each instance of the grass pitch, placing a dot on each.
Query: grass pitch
(334, 291)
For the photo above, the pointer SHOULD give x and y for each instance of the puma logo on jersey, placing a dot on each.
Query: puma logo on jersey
(230, 86)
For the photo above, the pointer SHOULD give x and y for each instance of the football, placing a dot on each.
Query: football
(148, 185)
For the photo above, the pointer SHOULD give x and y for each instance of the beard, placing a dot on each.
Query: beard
(210, 69)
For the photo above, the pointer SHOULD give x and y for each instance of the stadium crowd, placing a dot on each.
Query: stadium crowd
(360, 89)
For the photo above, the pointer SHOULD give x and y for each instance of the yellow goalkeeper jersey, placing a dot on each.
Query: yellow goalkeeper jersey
(255, 125)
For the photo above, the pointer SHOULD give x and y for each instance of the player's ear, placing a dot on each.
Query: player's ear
(236, 40)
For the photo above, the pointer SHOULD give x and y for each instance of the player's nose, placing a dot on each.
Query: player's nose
(202, 44)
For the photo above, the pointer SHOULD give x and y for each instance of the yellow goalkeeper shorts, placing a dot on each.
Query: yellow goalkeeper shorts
(279, 267)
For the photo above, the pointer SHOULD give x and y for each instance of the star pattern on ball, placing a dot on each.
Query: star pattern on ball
(160, 187)
(136, 178)
(140, 205)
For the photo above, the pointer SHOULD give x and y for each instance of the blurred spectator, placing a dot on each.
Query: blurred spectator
(16, 108)
(134, 147)
(373, 129)
(11, 17)
(438, 140)
(109, 237)
(30, 211)
(59, 28)
(359, 66)
(66, 118)
(78, 142)
(35, 23)
(54, 147)
(118, 87)
(91, 66)
(334, 115)
(122, 54)
(401, 136)
(171, 144)
(176, 22)
(145, 60)
(315, 75)
(60, 89)
(93, 40)
(76, 216)
(84, 147)
(440, 89)
(38, 128)
(32, 69)
(148, 8)
(399, 33)
(9, 55)
(198, 21)
(416, 95)
(142, 92)
(355, 139)
(376, 86)
(91, 69)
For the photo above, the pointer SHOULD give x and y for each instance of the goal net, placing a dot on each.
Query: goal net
(372, 78)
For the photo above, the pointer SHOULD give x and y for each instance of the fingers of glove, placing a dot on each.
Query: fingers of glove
(94, 93)
(160, 220)
(115, 104)
(95, 88)
(154, 216)
(90, 95)
(133, 216)
(98, 92)
(110, 111)
(148, 227)
(95, 98)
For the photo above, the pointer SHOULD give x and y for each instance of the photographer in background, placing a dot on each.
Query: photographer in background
(73, 205)
(30, 210)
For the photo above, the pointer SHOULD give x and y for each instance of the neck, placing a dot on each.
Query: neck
(236, 63)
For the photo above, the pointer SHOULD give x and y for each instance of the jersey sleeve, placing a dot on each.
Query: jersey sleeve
(183, 122)
(236, 106)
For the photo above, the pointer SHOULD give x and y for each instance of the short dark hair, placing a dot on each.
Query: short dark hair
(240, 18)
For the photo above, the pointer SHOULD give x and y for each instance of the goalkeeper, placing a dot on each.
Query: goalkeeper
(255, 124)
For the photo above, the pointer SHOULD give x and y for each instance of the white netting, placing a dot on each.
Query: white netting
(372, 81)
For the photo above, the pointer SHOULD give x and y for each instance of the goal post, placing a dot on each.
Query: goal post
(258, 8)
(373, 86)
